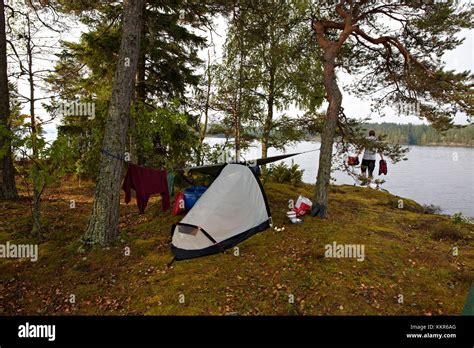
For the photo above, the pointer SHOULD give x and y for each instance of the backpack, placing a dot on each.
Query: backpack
(178, 205)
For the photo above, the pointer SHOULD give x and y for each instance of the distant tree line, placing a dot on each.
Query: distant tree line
(403, 134)
(411, 134)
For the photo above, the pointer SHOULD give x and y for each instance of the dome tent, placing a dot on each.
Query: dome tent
(232, 209)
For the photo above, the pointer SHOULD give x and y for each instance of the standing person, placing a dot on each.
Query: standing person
(368, 160)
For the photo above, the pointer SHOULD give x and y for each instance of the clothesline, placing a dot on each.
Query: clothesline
(148, 181)
(105, 152)
(207, 168)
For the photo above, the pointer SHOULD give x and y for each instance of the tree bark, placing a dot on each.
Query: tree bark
(334, 97)
(141, 93)
(203, 129)
(267, 127)
(7, 172)
(268, 124)
(237, 134)
(37, 184)
(238, 115)
(103, 223)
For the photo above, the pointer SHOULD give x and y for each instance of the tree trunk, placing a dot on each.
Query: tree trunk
(334, 97)
(37, 182)
(237, 134)
(36, 231)
(141, 71)
(238, 119)
(267, 126)
(103, 223)
(135, 152)
(203, 129)
(7, 172)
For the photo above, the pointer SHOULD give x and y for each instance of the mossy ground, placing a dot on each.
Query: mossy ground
(406, 254)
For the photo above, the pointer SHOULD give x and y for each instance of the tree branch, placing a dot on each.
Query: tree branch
(384, 40)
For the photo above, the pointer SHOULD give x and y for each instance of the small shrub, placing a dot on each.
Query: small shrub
(432, 209)
(446, 231)
(458, 218)
(287, 174)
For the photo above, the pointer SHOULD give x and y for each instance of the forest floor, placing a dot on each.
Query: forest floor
(409, 266)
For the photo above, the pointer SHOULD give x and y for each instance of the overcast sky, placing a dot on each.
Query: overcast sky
(460, 59)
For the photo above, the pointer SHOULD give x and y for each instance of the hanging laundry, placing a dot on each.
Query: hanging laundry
(382, 167)
(146, 182)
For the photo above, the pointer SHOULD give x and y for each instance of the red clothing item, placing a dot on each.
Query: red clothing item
(382, 167)
(146, 182)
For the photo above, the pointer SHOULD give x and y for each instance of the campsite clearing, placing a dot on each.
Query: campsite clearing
(407, 252)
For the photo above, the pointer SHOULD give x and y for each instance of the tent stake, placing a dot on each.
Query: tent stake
(172, 261)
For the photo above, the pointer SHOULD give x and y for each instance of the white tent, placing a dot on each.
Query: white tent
(233, 208)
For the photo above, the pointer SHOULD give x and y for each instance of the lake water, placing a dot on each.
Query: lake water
(443, 176)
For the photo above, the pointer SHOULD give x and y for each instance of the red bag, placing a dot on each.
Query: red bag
(382, 167)
(352, 160)
(178, 205)
(302, 206)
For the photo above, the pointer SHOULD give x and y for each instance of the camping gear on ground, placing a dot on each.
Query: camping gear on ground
(292, 216)
(233, 208)
(352, 160)
(191, 195)
(256, 170)
(302, 206)
(145, 182)
(178, 205)
(382, 167)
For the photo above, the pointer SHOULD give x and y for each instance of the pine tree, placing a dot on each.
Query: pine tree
(404, 61)
(103, 223)
(7, 173)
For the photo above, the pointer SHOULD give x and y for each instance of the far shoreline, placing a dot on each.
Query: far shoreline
(222, 136)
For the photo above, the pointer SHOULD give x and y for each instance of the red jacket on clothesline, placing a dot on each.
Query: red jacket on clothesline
(146, 182)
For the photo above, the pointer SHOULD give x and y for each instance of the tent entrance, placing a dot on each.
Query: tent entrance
(193, 230)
